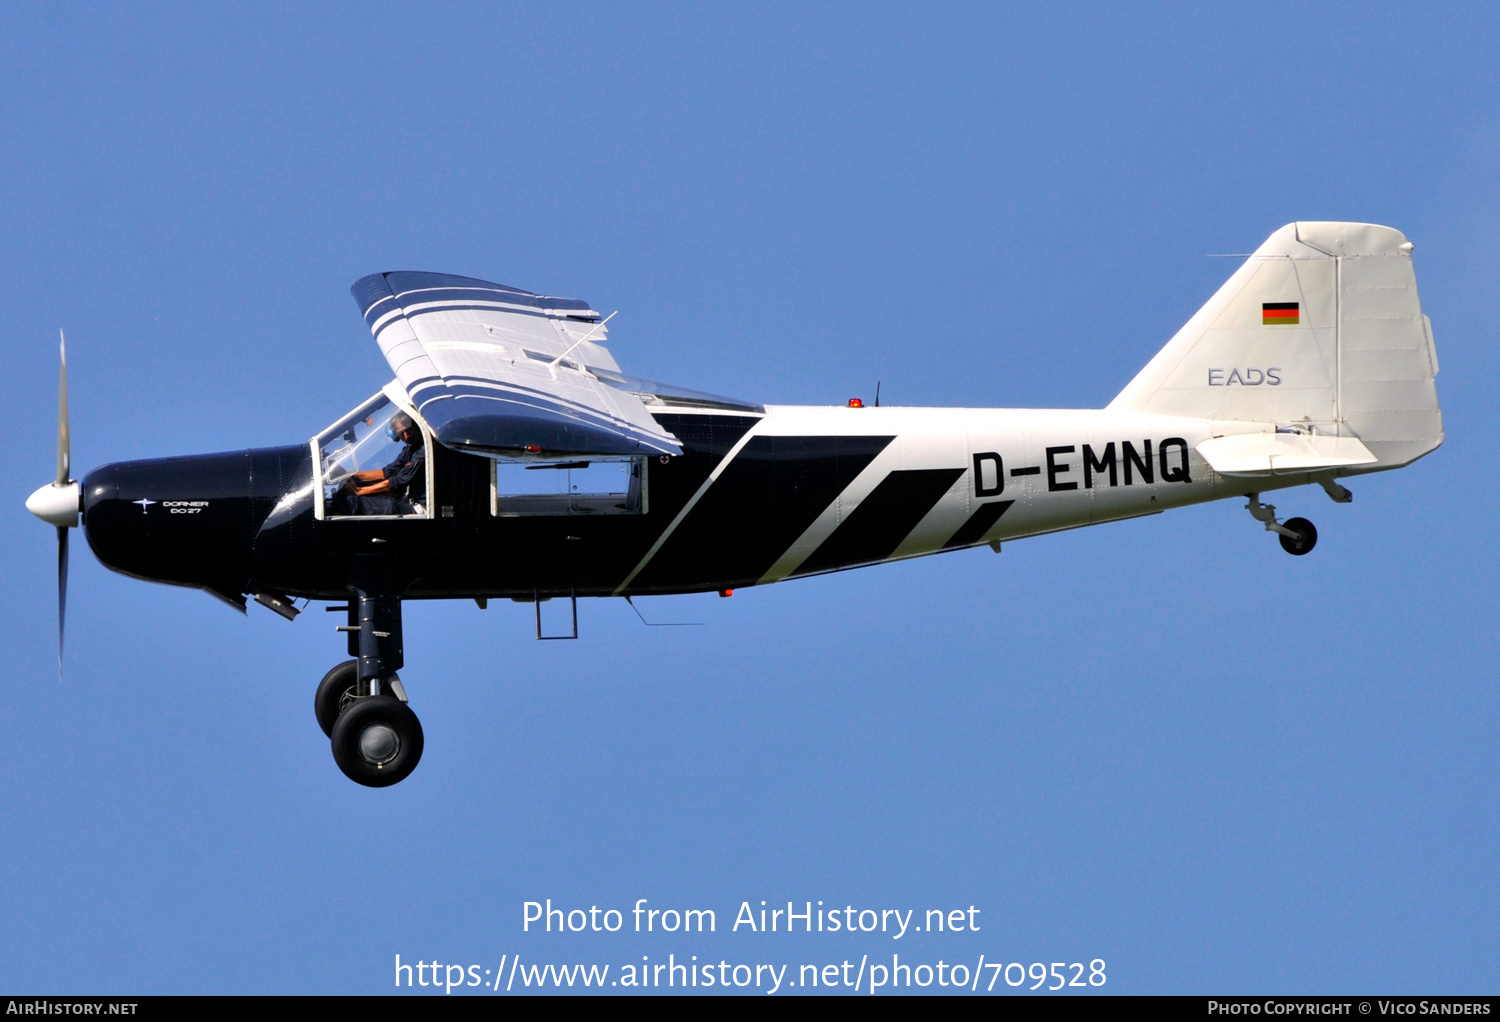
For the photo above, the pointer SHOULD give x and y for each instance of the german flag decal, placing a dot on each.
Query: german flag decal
(1280, 313)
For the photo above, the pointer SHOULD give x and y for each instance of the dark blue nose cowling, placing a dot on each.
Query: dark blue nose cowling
(185, 521)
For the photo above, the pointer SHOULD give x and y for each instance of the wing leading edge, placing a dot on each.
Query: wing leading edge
(504, 372)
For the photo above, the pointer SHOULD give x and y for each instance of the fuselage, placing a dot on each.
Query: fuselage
(754, 498)
(512, 457)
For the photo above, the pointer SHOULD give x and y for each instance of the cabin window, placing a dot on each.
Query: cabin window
(593, 486)
(374, 464)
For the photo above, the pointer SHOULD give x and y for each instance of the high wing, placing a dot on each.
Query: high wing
(504, 372)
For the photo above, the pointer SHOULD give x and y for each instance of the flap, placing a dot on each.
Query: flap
(1263, 454)
(500, 371)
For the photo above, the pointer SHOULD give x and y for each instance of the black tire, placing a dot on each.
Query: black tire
(1307, 537)
(377, 741)
(335, 691)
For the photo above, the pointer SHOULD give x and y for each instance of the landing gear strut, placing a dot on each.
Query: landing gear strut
(1298, 536)
(337, 690)
(361, 704)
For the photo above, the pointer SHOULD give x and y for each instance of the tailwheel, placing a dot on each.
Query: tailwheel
(1297, 535)
(377, 741)
(335, 692)
(1306, 536)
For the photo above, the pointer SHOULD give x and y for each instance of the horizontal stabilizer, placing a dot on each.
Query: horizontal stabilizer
(1265, 454)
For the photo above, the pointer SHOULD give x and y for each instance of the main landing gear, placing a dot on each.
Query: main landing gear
(1297, 535)
(361, 704)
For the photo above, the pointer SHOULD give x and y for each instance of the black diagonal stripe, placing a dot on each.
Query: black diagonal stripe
(874, 530)
(980, 522)
(766, 498)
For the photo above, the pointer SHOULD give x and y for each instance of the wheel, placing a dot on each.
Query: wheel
(335, 691)
(1307, 536)
(377, 741)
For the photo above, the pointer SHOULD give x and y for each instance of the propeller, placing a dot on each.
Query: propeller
(57, 502)
(64, 464)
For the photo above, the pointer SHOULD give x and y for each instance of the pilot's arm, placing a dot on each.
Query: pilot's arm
(393, 478)
(367, 482)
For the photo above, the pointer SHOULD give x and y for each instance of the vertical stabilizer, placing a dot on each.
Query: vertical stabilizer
(1321, 329)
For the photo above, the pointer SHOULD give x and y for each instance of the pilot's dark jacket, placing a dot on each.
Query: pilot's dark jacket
(408, 478)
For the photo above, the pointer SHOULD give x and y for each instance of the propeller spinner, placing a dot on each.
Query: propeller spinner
(57, 502)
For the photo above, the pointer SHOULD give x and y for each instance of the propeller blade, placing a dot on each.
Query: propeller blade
(64, 445)
(64, 466)
(62, 593)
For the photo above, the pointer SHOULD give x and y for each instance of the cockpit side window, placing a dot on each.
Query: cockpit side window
(593, 486)
(374, 464)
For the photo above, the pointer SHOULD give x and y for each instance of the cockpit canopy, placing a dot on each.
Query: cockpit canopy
(367, 440)
(364, 440)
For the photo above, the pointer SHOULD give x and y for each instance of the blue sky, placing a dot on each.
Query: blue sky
(1160, 743)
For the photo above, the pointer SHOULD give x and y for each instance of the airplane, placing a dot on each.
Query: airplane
(511, 458)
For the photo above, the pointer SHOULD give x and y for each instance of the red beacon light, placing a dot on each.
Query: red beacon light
(726, 592)
(855, 402)
(533, 449)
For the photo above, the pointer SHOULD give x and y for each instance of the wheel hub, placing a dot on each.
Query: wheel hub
(379, 744)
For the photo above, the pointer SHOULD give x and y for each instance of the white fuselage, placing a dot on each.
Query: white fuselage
(1061, 468)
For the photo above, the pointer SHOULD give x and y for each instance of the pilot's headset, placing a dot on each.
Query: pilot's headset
(400, 423)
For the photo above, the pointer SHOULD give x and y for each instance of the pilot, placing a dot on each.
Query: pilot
(398, 489)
